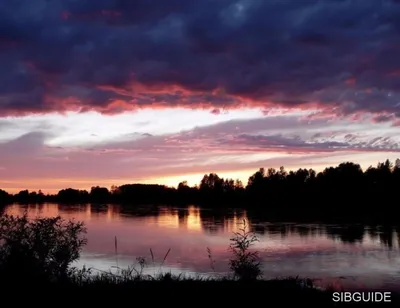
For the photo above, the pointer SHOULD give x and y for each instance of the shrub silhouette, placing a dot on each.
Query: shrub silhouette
(43, 248)
(244, 264)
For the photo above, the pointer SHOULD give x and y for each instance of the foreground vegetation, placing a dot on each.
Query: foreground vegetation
(345, 192)
(36, 257)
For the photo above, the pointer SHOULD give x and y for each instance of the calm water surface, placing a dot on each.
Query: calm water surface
(351, 256)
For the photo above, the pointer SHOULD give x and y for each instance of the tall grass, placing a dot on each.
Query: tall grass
(212, 261)
(244, 263)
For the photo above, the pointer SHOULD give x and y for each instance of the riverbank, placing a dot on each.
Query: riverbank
(180, 292)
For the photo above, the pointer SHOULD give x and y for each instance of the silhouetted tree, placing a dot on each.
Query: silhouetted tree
(73, 195)
(99, 194)
(5, 197)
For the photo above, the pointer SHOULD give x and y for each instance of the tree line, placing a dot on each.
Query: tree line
(344, 190)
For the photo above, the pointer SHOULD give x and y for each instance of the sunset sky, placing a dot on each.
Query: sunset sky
(111, 92)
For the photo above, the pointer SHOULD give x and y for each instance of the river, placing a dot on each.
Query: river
(335, 255)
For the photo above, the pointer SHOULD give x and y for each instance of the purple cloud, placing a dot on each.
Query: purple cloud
(111, 56)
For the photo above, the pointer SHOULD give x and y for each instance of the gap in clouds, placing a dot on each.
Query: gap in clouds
(234, 147)
(82, 129)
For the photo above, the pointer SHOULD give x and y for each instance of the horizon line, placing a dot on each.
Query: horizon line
(394, 164)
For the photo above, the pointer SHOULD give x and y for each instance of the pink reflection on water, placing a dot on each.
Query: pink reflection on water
(188, 233)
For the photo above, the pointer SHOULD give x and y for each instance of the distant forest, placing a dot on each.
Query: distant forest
(344, 191)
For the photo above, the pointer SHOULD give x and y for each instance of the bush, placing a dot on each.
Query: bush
(244, 263)
(43, 248)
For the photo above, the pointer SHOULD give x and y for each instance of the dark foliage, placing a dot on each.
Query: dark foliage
(245, 263)
(38, 250)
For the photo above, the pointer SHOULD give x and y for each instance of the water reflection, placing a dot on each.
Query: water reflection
(364, 255)
(211, 222)
(188, 219)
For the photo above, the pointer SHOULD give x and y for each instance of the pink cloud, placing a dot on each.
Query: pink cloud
(224, 147)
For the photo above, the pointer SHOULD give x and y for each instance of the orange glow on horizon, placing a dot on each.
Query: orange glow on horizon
(53, 185)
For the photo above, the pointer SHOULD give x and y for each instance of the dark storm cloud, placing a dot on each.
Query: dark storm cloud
(60, 55)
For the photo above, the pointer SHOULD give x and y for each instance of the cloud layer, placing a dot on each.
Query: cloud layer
(111, 56)
(193, 87)
(235, 148)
